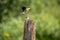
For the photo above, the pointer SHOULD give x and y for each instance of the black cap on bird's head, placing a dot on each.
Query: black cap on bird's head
(24, 9)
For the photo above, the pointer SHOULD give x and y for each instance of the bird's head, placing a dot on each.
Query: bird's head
(25, 10)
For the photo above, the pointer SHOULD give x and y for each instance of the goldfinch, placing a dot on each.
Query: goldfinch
(25, 10)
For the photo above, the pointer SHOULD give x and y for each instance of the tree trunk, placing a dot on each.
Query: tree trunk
(29, 30)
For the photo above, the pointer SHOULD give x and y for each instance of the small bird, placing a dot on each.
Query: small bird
(25, 10)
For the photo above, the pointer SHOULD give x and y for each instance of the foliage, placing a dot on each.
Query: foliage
(46, 14)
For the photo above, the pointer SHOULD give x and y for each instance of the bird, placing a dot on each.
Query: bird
(25, 10)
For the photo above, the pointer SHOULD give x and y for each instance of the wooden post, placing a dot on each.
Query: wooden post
(29, 30)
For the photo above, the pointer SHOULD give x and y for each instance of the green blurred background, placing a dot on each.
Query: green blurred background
(45, 13)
